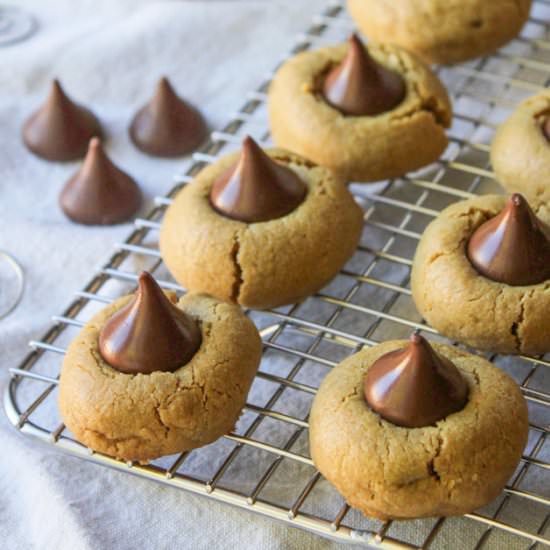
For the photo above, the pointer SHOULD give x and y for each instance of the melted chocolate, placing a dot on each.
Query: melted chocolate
(359, 86)
(60, 130)
(149, 333)
(415, 386)
(257, 188)
(167, 126)
(513, 247)
(99, 192)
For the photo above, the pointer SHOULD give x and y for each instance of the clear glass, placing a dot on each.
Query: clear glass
(15, 25)
(12, 283)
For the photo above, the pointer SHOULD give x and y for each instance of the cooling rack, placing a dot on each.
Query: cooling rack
(264, 465)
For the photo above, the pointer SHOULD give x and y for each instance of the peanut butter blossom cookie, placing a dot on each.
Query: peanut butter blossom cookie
(481, 273)
(406, 430)
(147, 377)
(520, 151)
(367, 114)
(260, 228)
(442, 31)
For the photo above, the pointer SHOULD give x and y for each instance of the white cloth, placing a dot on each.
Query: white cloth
(109, 56)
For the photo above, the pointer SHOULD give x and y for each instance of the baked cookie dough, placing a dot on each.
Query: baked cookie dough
(464, 305)
(359, 148)
(520, 151)
(143, 416)
(442, 31)
(387, 471)
(261, 264)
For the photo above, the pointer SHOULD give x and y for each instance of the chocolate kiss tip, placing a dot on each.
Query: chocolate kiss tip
(167, 126)
(414, 386)
(513, 247)
(99, 193)
(149, 333)
(518, 199)
(355, 40)
(359, 86)
(165, 83)
(60, 129)
(257, 188)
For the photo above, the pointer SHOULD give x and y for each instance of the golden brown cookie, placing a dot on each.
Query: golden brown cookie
(262, 264)
(520, 151)
(442, 31)
(359, 148)
(144, 416)
(464, 305)
(453, 467)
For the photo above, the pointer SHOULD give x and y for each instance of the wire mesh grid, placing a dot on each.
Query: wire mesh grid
(264, 464)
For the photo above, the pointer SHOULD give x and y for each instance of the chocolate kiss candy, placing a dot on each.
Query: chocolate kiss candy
(60, 129)
(359, 86)
(257, 188)
(415, 386)
(546, 128)
(167, 126)
(513, 247)
(149, 333)
(99, 193)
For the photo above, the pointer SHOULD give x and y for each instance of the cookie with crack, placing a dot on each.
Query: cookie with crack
(260, 228)
(520, 150)
(407, 430)
(147, 377)
(442, 31)
(368, 115)
(481, 275)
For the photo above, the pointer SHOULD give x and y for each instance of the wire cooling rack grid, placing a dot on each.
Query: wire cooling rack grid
(264, 465)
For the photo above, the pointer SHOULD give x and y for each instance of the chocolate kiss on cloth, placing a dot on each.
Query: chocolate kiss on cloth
(257, 188)
(359, 86)
(167, 126)
(415, 386)
(99, 193)
(61, 129)
(513, 247)
(149, 333)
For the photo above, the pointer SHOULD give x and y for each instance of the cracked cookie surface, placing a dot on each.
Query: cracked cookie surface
(442, 31)
(387, 471)
(144, 416)
(463, 304)
(520, 152)
(359, 148)
(264, 264)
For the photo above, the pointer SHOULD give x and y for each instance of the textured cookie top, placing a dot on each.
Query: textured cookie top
(143, 416)
(379, 146)
(520, 151)
(268, 263)
(305, 72)
(442, 31)
(452, 467)
(465, 305)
